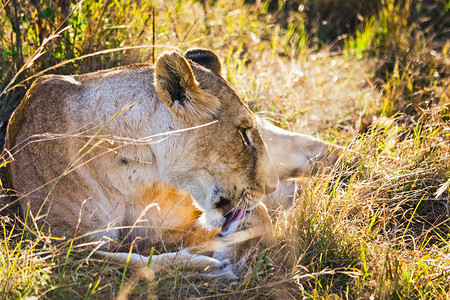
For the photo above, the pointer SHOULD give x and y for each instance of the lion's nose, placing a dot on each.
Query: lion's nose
(270, 189)
(271, 183)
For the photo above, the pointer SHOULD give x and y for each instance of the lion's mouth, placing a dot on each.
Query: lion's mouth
(231, 217)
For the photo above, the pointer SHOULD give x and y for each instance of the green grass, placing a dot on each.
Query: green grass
(377, 226)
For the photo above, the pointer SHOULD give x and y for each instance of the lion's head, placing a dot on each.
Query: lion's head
(224, 165)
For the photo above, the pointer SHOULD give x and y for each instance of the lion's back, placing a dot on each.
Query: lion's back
(53, 121)
(55, 102)
(41, 110)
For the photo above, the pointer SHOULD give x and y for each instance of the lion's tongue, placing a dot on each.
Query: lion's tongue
(231, 217)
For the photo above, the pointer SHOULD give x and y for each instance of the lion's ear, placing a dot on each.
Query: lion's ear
(176, 86)
(205, 58)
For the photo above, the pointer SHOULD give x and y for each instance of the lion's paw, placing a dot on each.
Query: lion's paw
(224, 269)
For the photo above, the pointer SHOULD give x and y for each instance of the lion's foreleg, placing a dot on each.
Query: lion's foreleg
(169, 260)
(294, 154)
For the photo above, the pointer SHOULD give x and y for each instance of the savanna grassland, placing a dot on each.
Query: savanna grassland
(370, 75)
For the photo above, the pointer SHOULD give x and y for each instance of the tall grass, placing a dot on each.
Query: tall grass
(377, 225)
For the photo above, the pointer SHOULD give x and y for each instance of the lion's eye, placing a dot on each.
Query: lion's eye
(245, 138)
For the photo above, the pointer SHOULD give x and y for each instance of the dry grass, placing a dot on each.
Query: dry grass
(377, 226)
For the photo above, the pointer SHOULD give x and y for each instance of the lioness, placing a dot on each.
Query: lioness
(167, 156)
